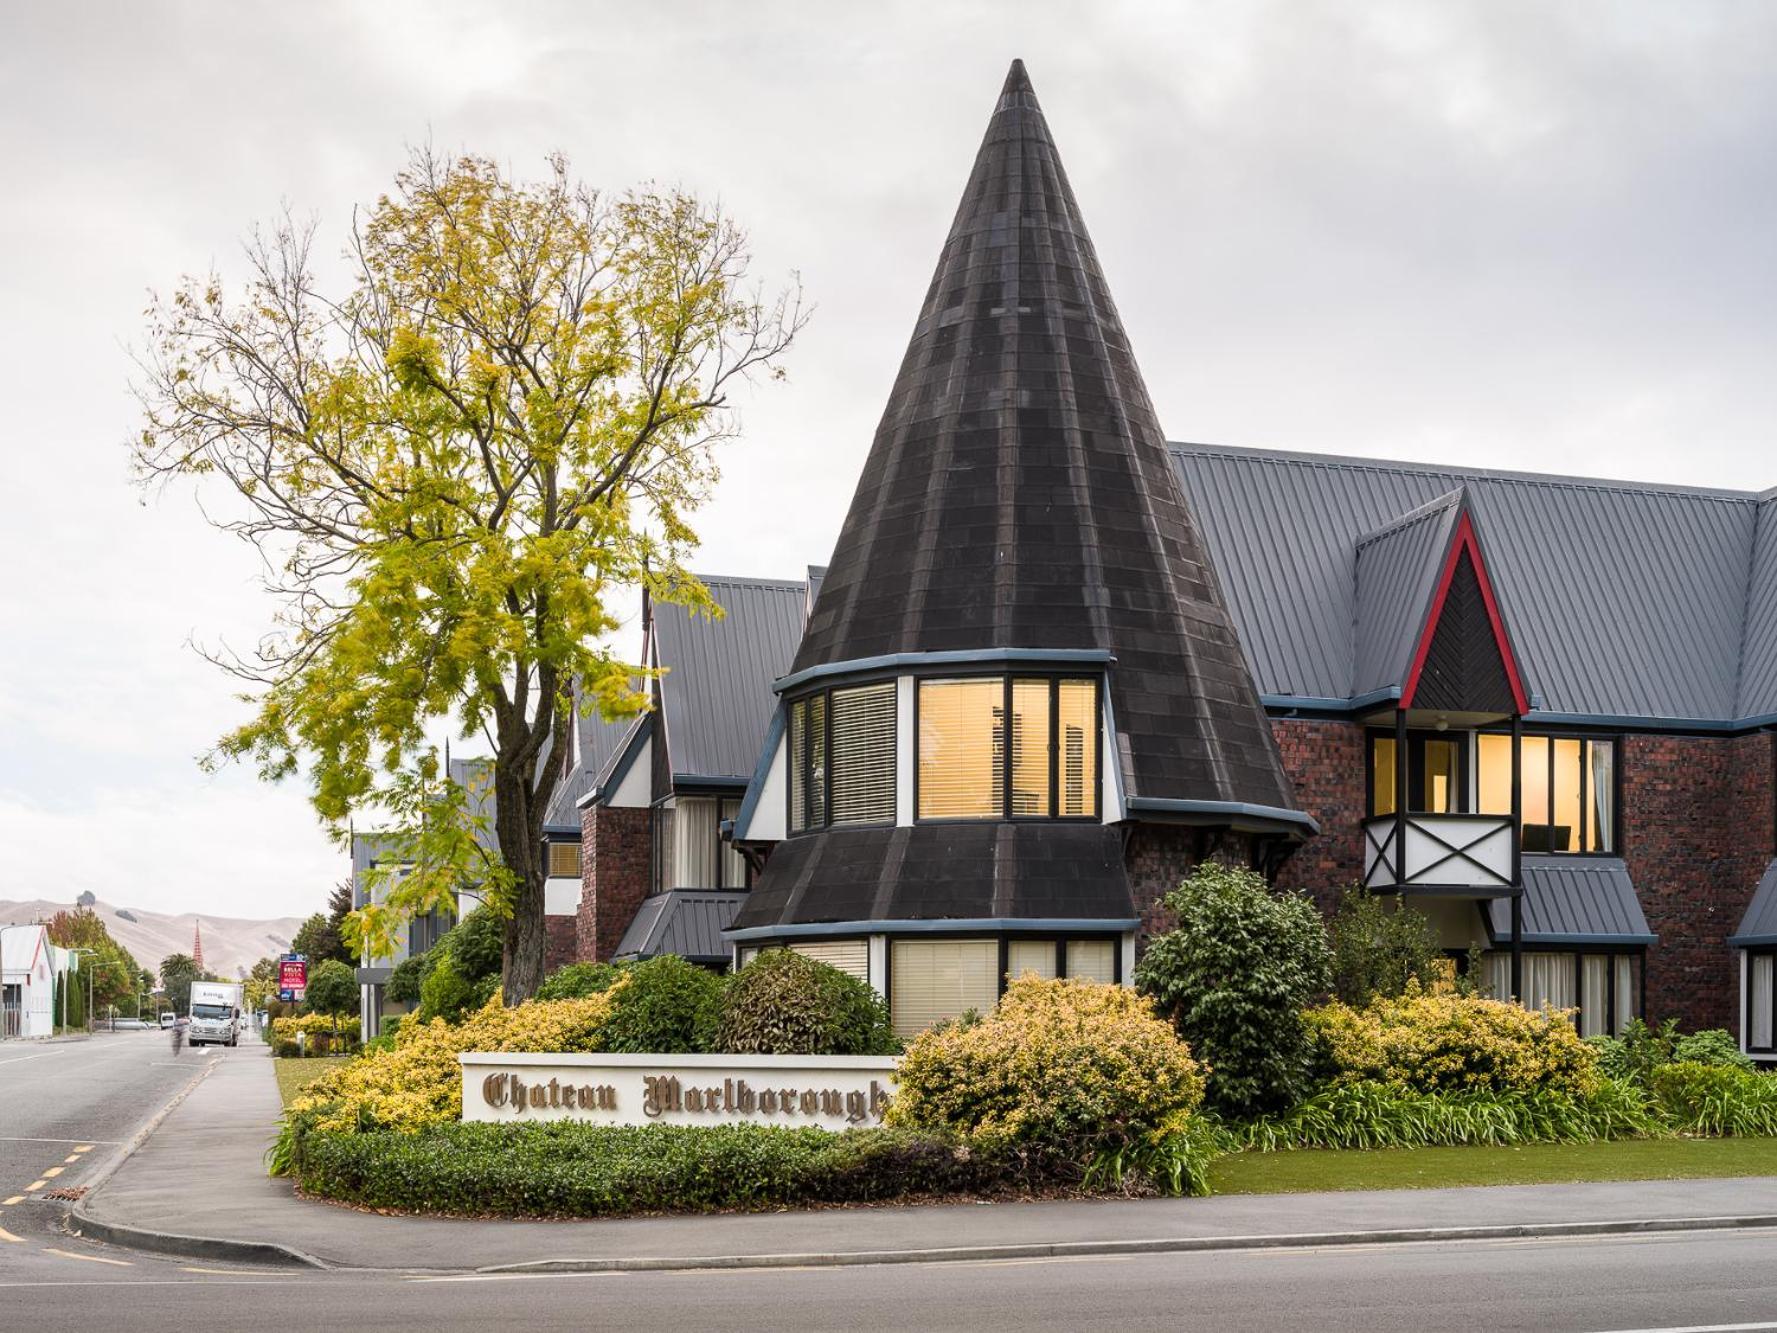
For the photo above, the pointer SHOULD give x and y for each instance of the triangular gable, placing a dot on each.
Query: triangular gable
(1397, 571)
(1464, 658)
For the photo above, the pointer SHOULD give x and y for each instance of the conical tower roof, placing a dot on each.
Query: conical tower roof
(1018, 493)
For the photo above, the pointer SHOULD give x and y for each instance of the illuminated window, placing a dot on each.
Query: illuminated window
(564, 860)
(1027, 746)
(1569, 790)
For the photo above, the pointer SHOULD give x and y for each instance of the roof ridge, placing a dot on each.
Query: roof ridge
(753, 581)
(1549, 479)
(1430, 509)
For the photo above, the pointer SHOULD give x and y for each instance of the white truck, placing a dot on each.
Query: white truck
(215, 1013)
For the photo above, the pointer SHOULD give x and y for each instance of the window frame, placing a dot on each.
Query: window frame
(1053, 676)
(1003, 940)
(826, 693)
(1612, 739)
(1417, 737)
(1635, 953)
(1758, 951)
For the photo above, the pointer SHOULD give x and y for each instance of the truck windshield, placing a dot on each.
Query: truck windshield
(209, 1011)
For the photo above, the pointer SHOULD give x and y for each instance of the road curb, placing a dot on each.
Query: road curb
(84, 1224)
(1159, 1245)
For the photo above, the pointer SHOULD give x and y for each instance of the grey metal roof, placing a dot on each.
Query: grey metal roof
(1622, 600)
(1759, 925)
(687, 922)
(598, 743)
(1758, 659)
(716, 696)
(1574, 900)
(1396, 575)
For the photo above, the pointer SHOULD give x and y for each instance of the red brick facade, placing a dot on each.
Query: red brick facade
(1697, 834)
(1325, 761)
(1698, 829)
(614, 856)
(1160, 857)
(561, 941)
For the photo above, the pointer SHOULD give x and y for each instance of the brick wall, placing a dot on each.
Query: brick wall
(614, 855)
(561, 941)
(1325, 761)
(1697, 833)
(1159, 857)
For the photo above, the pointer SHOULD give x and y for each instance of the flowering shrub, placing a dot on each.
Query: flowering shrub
(325, 1032)
(419, 1082)
(1061, 1069)
(1438, 1041)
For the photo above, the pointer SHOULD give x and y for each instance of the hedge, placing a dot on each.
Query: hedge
(565, 1169)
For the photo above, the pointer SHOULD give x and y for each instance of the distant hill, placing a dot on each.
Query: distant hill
(231, 944)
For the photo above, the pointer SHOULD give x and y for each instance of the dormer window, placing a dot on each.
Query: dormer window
(842, 757)
(998, 747)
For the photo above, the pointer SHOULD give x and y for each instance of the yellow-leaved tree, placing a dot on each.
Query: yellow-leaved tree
(452, 466)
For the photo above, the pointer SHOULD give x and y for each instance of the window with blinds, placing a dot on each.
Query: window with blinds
(863, 750)
(933, 980)
(850, 956)
(842, 757)
(564, 860)
(1033, 956)
(1095, 960)
(993, 746)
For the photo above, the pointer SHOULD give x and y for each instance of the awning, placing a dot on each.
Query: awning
(1573, 900)
(687, 922)
(1759, 925)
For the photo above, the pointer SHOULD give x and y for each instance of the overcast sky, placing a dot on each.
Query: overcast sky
(1532, 235)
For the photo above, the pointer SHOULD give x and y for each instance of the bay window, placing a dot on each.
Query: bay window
(1569, 789)
(1603, 987)
(842, 757)
(996, 747)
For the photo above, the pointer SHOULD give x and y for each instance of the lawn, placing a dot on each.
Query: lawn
(294, 1074)
(1532, 1164)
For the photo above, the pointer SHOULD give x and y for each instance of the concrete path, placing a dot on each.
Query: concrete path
(198, 1187)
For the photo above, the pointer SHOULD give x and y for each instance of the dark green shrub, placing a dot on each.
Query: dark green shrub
(445, 993)
(476, 944)
(1638, 1052)
(407, 976)
(1712, 1046)
(1379, 945)
(578, 980)
(668, 1006)
(332, 989)
(1717, 1099)
(782, 1003)
(462, 971)
(391, 1025)
(577, 1170)
(1234, 977)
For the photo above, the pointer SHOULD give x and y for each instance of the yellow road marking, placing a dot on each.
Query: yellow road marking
(7, 1235)
(7, 1203)
(232, 1272)
(85, 1147)
(53, 1172)
(35, 1185)
(90, 1258)
(68, 1160)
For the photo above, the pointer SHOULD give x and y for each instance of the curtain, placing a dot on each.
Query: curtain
(1628, 996)
(1595, 981)
(1602, 756)
(1548, 979)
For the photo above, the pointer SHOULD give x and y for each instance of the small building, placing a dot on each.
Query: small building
(29, 966)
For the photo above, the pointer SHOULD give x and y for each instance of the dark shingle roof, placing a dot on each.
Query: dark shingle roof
(1018, 492)
(686, 922)
(962, 871)
(1574, 900)
(716, 696)
(1622, 600)
(1759, 925)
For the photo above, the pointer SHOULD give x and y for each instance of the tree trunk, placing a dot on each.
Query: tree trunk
(518, 823)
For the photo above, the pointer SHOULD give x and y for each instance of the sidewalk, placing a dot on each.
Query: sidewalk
(198, 1186)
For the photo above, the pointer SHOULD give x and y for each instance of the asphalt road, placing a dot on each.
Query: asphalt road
(1692, 1282)
(84, 1100)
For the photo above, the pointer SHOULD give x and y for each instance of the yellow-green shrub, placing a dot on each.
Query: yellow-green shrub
(419, 1082)
(1438, 1041)
(1074, 1067)
(324, 1032)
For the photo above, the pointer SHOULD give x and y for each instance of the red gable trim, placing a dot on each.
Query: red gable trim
(1465, 541)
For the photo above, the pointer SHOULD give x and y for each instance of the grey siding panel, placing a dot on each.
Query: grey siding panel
(716, 695)
(1622, 600)
(1572, 900)
(1397, 572)
(1758, 662)
(1759, 925)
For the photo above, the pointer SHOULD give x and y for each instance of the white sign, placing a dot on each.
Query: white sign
(826, 1091)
